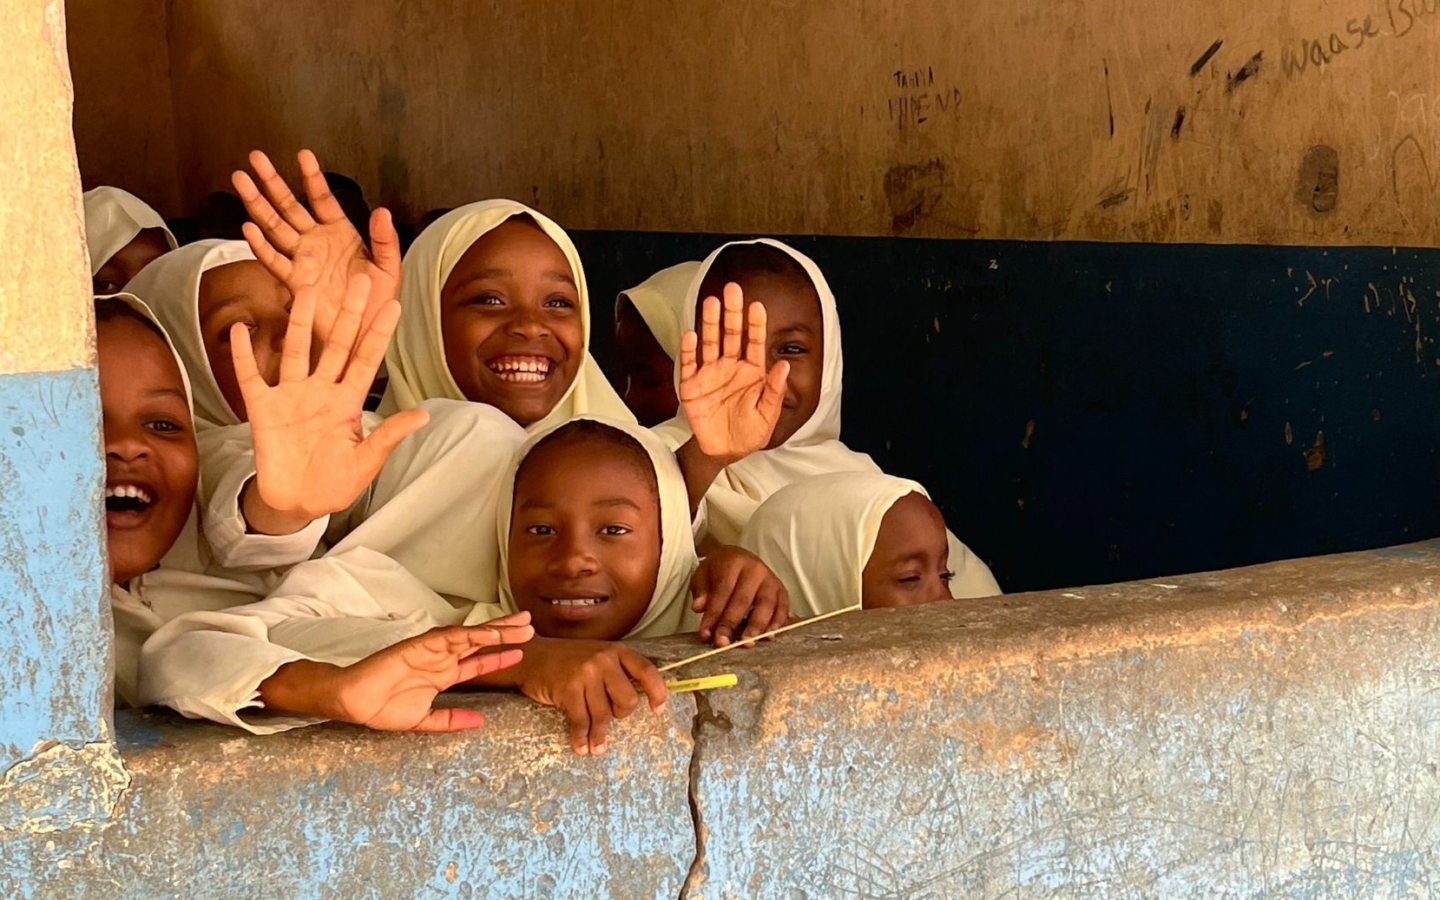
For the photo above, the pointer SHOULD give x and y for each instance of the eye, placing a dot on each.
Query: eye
(559, 302)
(107, 287)
(947, 577)
(165, 426)
(792, 349)
(484, 300)
(615, 530)
(540, 530)
(909, 579)
(225, 332)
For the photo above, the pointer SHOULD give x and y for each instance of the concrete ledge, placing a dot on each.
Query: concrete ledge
(1265, 731)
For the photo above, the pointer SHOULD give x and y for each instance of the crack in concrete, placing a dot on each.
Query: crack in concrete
(706, 719)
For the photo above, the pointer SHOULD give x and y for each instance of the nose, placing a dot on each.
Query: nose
(529, 323)
(574, 557)
(125, 444)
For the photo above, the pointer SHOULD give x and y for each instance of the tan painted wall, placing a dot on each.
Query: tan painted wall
(993, 118)
(45, 306)
(124, 113)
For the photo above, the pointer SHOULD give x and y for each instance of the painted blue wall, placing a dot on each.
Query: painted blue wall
(1160, 379)
(55, 643)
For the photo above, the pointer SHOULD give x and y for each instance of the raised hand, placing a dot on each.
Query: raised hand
(311, 455)
(321, 250)
(395, 689)
(732, 404)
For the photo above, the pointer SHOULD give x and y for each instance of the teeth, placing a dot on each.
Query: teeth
(522, 369)
(575, 601)
(129, 490)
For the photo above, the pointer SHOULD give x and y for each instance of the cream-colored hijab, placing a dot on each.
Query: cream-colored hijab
(171, 286)
(416, 361)
(659, 300)
(112, 219)
(815, 449)
(817, 536)
(669, 611)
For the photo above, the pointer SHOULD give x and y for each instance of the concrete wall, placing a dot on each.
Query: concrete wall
(1106, 120)
(1257, 732)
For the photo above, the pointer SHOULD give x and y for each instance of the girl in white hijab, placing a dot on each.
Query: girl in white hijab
(862, 536)
(124, 235)
(495, 310)
(647, 336)
(804, 330)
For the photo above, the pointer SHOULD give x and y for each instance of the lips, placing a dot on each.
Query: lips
(128, 503)
(522, 369)
(575, 607)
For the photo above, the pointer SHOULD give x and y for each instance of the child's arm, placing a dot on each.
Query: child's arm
(731, 402)
(312, 457)
(319, 251)
(732, 585)
(592, 682)
(395, 689)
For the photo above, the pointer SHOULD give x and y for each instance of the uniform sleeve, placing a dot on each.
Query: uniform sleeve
(338, 610)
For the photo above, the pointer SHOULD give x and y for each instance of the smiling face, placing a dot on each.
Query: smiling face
(910, 563)
(649, 372)
(796, 327)
(151, 463)
(584, 551)
(146, 247)
(510, 316)
(246, 293)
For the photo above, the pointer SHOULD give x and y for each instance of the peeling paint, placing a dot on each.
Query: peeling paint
(63, 789)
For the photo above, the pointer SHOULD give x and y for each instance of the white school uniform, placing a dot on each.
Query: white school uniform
(356, 601)
(817, 536)
(113, 218)
(659, 300)
(416, 360)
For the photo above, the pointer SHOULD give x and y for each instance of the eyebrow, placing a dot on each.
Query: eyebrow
(551, 274)
(168, 392)
(539, 503)
(793, 329)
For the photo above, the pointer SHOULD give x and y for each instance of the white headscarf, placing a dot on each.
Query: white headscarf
(669, 610)
(659, 300)
(815, 449)
(171, 286)
(112, 219)
(180, 583)
(817, 537)
(416, 360)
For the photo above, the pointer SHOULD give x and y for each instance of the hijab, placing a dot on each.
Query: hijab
(113, 218)
(171, 286)
(669, 610)
(416, 360)
(660, 301)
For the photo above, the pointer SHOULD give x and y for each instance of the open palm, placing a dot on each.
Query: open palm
(312, 457)
(730, 401)
(322, 250)
(395, 689)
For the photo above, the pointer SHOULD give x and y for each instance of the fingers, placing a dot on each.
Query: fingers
(385, 243)
(709, 330)
(772, 398)
(247, 373)
(757, 336)
(772, 609)
(722, 585)
(275, 262)
(374, 341)
(341, 338)
(734, 320)
(317, 189)
(377, 447)
(450, 719)
(591, 738)
(700, 587)
(279, 195)
(275, 228)
(689, 342)
(295, 357)
(740, 601)
(640, 669)
(472, 667)
(623, 697)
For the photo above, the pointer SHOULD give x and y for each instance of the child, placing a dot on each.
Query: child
(595, 546)
(803, 332)
(647, 334)
(496, 311)
(124, 235)
(847, 536)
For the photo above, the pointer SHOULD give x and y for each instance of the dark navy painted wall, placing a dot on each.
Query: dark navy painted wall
(1162, 381)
